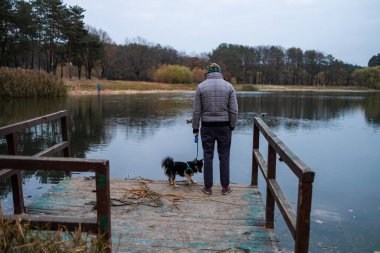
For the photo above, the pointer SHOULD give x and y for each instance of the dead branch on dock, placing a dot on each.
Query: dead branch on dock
(143, 195)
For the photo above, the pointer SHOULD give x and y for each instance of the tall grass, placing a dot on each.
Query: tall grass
(23, 238)
(20, 83)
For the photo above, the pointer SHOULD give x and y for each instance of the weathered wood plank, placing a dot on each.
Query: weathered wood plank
(261, 163)
(305, 190)
(52, 163)
(54, 222)
(255, 146)
(103, 201)
(284, 206)
(295, 164)
(299, 225)
(186, 220)
(32, 122)
(7, 173)
(53, 149)
(270, 201)
(16, 179)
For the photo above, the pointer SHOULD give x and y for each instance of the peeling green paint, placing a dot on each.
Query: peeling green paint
(240, 227)
(101, 180)
(103, 223)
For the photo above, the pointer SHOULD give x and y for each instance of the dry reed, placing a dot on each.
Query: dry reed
(16, 237)
(20, 83)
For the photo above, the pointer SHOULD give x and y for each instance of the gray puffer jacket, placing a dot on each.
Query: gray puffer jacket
(215, 101)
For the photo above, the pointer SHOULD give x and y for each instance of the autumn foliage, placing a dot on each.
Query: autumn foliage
(173, 74)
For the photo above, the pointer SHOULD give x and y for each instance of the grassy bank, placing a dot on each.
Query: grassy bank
(113, 87)
(110, 85)
(21, 83)
(269, 87)
(17, 237)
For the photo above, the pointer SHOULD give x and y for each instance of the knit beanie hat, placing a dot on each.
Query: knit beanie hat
(213, 67)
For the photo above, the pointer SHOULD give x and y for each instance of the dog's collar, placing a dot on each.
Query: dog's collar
(188, 167)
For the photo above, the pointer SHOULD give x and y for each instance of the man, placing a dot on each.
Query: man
(215, 105)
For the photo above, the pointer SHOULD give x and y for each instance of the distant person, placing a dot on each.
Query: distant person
(215, 105)
(99, 87)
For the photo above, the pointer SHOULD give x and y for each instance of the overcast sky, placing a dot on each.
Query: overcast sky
(347, 29)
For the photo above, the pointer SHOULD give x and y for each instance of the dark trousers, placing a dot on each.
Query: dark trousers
(222, 136)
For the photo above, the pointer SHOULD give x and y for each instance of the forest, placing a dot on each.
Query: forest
(52, 36)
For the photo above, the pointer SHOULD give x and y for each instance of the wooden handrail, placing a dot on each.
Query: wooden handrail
(10, 167)
(10, 133)
(5, 130)
(100, 167)
(298, 167)
(297, 222)
(52, 163)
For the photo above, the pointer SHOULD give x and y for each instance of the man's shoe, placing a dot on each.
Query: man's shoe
(206, 190)
(226, 190)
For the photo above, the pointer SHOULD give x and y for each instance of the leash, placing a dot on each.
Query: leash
(196, 141)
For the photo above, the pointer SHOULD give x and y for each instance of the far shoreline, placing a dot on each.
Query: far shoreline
(122, 92)
(261, 88)
(131, 92)
(117, 87)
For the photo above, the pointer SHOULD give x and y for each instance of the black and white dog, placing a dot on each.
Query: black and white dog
(184, 169)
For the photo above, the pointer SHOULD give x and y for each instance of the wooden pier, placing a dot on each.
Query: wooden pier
(151, 216)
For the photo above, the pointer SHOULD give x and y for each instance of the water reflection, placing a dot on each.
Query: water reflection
(294, 108)
(96, 120)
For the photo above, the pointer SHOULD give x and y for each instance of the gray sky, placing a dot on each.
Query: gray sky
(347, 29)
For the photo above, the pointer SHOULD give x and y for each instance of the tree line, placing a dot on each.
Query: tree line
(49, 35)
(277, 65)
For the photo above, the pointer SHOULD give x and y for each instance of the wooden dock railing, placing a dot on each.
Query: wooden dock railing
(298, 222)
(11, 164)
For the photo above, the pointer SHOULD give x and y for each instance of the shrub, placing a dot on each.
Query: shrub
(173, 74)
(198, 74)
(368, 77)
(233, 80)
(17, 83)
(245, 87)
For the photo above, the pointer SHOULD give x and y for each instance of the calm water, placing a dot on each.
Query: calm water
(336, 134)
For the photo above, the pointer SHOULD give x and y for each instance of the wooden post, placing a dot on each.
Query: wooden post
(305, 189)
(103, 201)
(299, 223)
(65, 137)
(270, 202)
(255, 166)
(16, 179)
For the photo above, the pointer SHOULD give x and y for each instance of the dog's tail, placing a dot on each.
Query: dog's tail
(168, 162)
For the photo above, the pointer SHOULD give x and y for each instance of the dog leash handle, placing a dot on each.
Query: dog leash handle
(196, 141)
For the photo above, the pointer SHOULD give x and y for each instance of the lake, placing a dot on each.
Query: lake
(337, 134)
